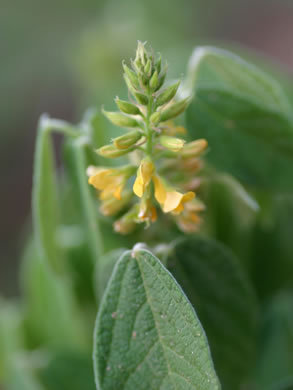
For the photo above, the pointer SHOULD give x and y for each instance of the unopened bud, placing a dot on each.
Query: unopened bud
(167, 95)
(126, 107)
(110, 151)
(131, 76)
(148, 68)
(156, 117)
(127, 223)
(175, 109)
(162, 78)
(119, 119)
(141, 53)
(154, 81)
(141, 98)
(125, 141)
(172, 143)
(112, 206)
(194, 148)
(159, 64)
(143, 79)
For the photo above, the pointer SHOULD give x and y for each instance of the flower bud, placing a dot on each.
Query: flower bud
(194, 148)
(127, 223)
(110, 151)
(148, 68)
(143, 79)
(175, 109)
(167, 95)
(172, 143)
(112, 206)
(141, 54)
(125, 141)
(131, 76)
(120, 119)
(126, 107)
(155, 117)
(154, 81)
(162, 78)
(158, 64)
(141, 98)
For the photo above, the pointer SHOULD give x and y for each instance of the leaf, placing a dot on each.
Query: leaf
(76, 153)
(52, 316)
(275, 359)
(245, 117)
(68, 370)
(221, 294)
(147, 335)
(45, 206)
(231, 213)
(105, 269)
(272, 245)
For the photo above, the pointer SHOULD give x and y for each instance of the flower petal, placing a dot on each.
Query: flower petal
(172, 201)
(160, 191)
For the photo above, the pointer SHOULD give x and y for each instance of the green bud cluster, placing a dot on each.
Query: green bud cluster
(152, 104)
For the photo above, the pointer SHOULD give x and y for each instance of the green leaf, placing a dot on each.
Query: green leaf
(231, 213)
(45, 205)
(68, 370)
(216, 285)
(245, 117)
(105, 269)
(275, 359)
(11, 335)
(51, 314)
(76, 151)
(147, 334)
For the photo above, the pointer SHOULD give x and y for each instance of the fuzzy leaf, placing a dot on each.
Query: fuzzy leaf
(147, 335)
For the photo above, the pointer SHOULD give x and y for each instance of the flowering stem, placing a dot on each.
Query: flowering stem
(149, 134)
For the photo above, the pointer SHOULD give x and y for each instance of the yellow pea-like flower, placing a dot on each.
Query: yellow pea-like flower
(109, 181)
(144, 176)
(174, 201)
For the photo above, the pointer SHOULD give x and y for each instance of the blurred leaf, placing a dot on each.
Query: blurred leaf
(11, 335)
(107, 263)
(68, 371)
(231, 212)
(45, 205)
(78, 163)
(272, 245)
(275, 360)
(147, 334)
(51, 314)
(216, 285)
(245, 117)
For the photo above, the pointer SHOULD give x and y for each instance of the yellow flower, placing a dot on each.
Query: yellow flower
(189, 221)
(171, 201)
(144, 176)
(174, 201)
(109, 181)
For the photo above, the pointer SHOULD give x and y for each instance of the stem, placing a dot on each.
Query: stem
(149, 133)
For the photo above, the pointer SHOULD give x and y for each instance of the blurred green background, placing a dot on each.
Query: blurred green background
(62, 57)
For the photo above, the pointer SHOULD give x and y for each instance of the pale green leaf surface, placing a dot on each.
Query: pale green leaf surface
(45, 206)
(51, 314)
(240, 109)
(147, 334)
(223, 298)
(76, 150)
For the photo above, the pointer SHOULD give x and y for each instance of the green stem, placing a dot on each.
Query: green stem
(149, 133)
